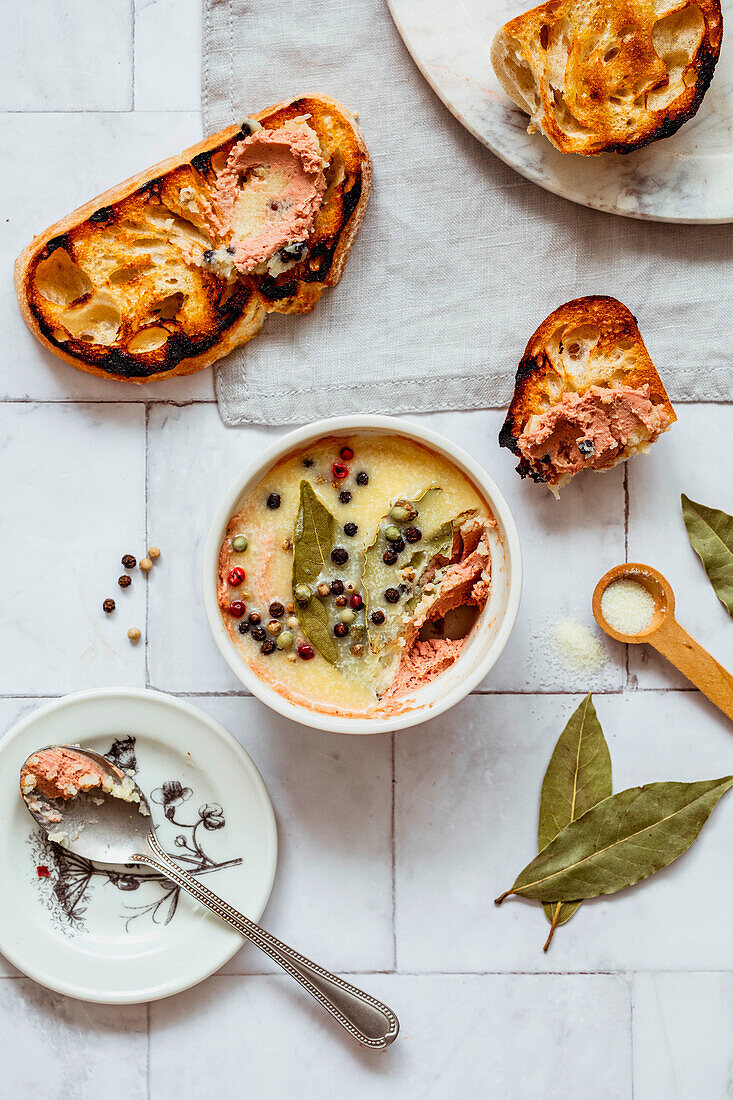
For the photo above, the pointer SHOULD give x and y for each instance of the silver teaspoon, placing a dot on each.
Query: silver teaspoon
(109, 829)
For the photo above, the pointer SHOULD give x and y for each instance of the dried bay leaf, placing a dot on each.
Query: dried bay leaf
(312, 545)
(577, 778)
(378, 576)
(710, 532)
(620, 841)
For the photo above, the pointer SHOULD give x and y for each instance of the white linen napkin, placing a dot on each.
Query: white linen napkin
(458, 259)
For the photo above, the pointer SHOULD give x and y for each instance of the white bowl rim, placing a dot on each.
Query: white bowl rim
(331, 723)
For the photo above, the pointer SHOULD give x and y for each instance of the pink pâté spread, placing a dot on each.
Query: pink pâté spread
(269, 192)
(61, 773)
(466, 583)
(589, 431)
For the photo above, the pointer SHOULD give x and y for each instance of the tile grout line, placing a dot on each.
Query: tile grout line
(147, 1050)
(630, 979)
(393, 852)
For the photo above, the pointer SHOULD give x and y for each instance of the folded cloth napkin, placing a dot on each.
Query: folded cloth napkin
(458, 258)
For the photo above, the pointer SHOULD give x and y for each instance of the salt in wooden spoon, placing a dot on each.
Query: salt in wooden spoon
(666, 634)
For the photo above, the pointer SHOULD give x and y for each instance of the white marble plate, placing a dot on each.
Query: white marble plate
(685, 178)
(111, 934)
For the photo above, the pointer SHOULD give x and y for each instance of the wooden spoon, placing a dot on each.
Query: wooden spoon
(667, 636)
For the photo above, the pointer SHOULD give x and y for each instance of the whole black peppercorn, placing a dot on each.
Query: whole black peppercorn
(362, 478)
(108, 606)
(255, 618)
(377, 617)
(124, 581)
(350, 529)
(128, 561)
(309, 463)
(398, 545)
(339, 556)
(259, 633)
(243, 627)
(337, 587)
(389, 557)
(391, 595)
(276, 609)
(273, 501)
(413, 534)
(268, 647)
(341, 630)
(345, 496)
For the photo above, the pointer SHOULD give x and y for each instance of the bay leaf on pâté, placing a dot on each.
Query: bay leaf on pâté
(312, 544)
(577, 778)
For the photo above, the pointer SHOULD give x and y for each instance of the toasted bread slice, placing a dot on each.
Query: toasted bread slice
(609, 75)
(587, 394)
(120, 288)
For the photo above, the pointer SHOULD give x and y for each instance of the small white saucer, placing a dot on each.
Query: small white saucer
(108, 934)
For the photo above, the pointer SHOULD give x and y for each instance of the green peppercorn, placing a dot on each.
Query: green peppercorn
(347, 616)
(392, 534)
(399, 514)
(240, 544)
(285, 640)
(302, 593)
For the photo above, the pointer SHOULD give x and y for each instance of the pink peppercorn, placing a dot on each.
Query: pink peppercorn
(237, 609)
(306, 652)
(236, 576)
(339, 470)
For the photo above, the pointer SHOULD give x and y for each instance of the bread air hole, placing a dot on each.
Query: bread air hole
(335, 174)
(60, 280)
(96, 321)
(676, 37)
(150, 339)
(609, 55)
(544, 36)
(129, 272)
(169, 306)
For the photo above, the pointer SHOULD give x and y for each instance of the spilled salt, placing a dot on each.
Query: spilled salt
(627, 606)
(577, 646)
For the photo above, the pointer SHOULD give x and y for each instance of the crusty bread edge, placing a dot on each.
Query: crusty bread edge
(253, 319)
(533, 361)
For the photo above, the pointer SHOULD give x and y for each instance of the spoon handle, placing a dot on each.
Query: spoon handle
(369, 1021)
(694, 662)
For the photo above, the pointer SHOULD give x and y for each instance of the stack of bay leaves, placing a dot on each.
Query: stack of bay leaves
(592, 842)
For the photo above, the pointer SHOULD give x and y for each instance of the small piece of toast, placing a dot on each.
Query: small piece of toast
(147, 281)
(609, 75)
(586, 395)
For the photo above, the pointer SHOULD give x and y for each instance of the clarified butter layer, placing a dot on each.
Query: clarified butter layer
(368, 683)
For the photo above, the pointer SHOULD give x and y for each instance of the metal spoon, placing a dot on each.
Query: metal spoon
(666, 634)
(116, 831)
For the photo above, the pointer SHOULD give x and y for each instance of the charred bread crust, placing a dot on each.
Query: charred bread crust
(228, 315)
(589, 88)
(617, 326)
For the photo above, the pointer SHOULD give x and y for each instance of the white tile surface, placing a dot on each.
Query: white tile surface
(521, 1037)
(73, 486)
(657, 535)
(53, 1046)
(206, 457)
(64, 57)
(333, 800)
(167, 55)
(52, 163)
(681, 1028)
(467, 794)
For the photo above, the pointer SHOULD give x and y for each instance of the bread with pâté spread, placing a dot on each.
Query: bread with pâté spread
(601, 76)
(587, 394)
(172, 269)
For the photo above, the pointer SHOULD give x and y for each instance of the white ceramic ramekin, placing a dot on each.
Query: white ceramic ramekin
(489, 636)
